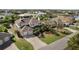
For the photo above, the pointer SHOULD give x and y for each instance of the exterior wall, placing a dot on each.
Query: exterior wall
(30, 32)
(24, 33)
(27, 33)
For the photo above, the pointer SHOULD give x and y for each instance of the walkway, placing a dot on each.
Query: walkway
(61, 43)
(36, 42)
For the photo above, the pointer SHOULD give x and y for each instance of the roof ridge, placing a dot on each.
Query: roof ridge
(30, 21)
(23, 28)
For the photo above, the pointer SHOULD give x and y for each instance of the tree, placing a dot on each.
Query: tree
(6, 25)
(60, 24)
(14, 17)
(3, 29)
(51, 23)
(73, 43)
(43, 17)
(38, 30)
(18, 34)
(9, 20)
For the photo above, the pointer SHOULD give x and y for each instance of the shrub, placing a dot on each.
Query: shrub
(3, 29)
(66, 32)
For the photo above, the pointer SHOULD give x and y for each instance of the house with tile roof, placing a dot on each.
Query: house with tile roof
(67, 20)
(25, 25)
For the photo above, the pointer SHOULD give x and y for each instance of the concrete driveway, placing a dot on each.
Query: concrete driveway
(36, 42)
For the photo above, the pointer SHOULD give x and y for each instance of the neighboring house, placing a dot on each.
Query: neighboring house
(26, 15)
(29, 15)
(4, 37)
(76, 18)
(67, 20)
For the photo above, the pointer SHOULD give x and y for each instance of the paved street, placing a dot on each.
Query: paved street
(61, 43)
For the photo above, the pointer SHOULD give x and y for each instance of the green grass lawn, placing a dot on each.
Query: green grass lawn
(23, 44)
(49, 38)
(75, 28)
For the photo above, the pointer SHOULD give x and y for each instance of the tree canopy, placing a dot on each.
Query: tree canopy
(3, 29)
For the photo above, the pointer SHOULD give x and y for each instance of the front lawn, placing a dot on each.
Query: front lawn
(23, 44)
(49, 37)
